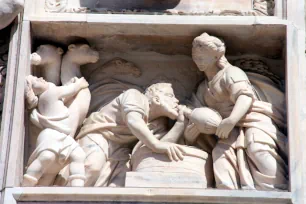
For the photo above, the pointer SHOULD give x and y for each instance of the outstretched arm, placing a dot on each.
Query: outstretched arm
(140, 129)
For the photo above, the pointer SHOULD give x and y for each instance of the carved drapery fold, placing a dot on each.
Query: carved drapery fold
(264, 7)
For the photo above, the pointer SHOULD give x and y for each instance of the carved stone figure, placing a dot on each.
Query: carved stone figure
(55, 145)
(252, 149)
(48, 59)
(9, 9)
(77, 55)
(107, 136)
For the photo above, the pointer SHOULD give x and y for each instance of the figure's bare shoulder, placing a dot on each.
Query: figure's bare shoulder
(235, 74)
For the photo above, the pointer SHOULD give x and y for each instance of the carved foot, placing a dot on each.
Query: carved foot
(29, 181)
(77, 180)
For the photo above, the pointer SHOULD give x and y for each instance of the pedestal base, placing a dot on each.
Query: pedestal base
(164, 180)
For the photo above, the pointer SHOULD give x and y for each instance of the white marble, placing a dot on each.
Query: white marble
(9, 10)
(144, 195)
(90, 26)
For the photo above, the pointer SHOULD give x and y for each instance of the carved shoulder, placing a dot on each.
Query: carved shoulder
(234, 75)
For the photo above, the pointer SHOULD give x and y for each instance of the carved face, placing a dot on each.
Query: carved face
(46, 54)
(168, 102)
(204, 57)
(39, 85)
(83, 54)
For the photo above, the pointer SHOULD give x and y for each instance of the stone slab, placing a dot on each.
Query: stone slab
(164, 180)
(142, 195)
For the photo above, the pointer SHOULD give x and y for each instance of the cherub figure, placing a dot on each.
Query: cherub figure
(252, 150)
(55, 144)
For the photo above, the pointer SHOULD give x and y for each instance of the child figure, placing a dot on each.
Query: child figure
(54, 145)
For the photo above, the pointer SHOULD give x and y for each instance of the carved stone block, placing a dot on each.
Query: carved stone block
(164, 180)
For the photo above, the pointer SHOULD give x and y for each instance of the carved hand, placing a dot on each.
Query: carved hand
(181, 114)
(174, 151)
(82, 83)
(225, 127)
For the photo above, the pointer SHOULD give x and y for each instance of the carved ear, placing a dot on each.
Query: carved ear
(156, 100)
(60, 51)
(71, 47)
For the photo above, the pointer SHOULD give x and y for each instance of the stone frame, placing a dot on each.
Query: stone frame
(13, 130)
(259, 7)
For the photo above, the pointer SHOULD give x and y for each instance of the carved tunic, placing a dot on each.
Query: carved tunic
(107, 129)
(110, 120)
(223, 90)
(54, 136)
(221, 94)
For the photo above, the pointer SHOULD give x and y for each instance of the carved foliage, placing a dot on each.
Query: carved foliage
(61, 6)
(264, 7)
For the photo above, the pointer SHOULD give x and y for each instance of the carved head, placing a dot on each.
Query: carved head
(34, 86)
(207, 51)
(82, 54)
(161, 96)
(46, 54)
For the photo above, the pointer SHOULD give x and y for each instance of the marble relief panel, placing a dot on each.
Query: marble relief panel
(145, 111)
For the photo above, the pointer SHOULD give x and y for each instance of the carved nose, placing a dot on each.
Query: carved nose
(35, 59)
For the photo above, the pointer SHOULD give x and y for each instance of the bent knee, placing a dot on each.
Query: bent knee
(259, 148)
(93, 169)
(78, 155)
(94, 163)
(47, 156)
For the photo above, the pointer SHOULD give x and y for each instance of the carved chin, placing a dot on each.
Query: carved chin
(173, 114)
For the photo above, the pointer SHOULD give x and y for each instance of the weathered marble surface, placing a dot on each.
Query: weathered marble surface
(194, 7)
(252, 148)
(9, 9)
(55, 145)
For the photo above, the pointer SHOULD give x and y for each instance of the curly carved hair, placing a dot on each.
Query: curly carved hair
(155, 89)
(31, 98)
(211, 42)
